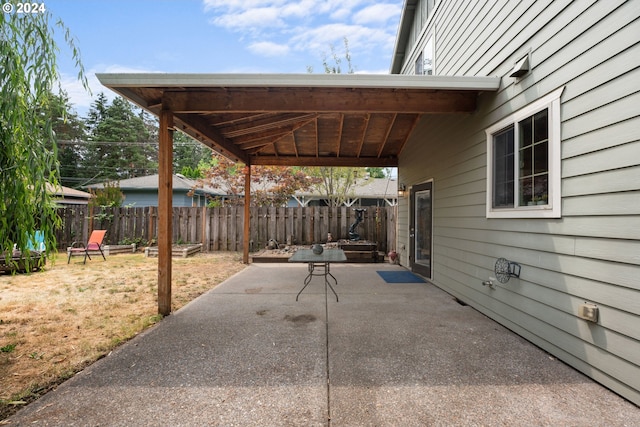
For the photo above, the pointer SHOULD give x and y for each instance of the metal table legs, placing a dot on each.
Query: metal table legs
(326, 273)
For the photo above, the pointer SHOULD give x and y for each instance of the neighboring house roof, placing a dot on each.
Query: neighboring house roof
(376, 188)
(364, 189)
(150, 182)
(69, 196)
(367, 188)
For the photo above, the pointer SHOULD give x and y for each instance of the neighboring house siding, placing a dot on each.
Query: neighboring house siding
(143, 191)
(140, 198)
(590, 254)
(143, 198)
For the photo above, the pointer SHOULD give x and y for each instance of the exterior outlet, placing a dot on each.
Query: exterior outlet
(588, 312)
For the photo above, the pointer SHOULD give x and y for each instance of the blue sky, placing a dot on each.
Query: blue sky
(221, 36)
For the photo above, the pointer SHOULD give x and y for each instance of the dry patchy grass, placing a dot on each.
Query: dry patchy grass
(55, 322)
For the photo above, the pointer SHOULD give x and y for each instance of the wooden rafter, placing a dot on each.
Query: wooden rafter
(238, 119)
(268, 123)
(265, 133)
(364, 134)
(387, 134)
(410, 131)
(293, 137)
(223, 145)
(339, 138)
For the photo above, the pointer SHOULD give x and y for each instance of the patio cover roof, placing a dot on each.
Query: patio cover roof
(301, 119)
(287, 119)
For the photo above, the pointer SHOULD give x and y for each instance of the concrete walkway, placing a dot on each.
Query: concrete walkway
(248, 354)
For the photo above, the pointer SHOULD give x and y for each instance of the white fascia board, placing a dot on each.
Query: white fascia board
(382, 81)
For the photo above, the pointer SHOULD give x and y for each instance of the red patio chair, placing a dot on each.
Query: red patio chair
(94, 244)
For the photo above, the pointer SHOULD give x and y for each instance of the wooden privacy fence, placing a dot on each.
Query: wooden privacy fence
(221, 228)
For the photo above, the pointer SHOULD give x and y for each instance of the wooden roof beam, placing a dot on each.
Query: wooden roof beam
(219, 143)
(324, 161)
(320, 100)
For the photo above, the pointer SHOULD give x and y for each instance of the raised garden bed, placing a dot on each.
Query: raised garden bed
(119, 249)
(271, 255)
(359, 251)
(176, 251)
(18, 264)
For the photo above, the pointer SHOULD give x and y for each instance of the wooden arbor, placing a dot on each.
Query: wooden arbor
(290, 120)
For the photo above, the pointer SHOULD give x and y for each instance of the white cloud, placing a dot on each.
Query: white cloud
(340, 10)
(80, 98)
(116, 68)
(359, 37)
(380, 71)
(252, 20)
(377, 13)
(233, 5)
(312, 26)
(269, 49)
(301, 9)
(240, 14)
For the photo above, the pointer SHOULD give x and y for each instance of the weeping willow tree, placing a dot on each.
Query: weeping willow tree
(28, 166)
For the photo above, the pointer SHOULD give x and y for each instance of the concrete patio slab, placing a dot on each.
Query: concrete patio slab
(247, 353)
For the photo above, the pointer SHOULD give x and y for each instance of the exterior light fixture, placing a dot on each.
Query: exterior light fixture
(402, 190)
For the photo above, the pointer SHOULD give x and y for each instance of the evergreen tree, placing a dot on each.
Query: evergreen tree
(188, 154)
(70, 134)
(97, 112)
(120, 141)
(119, 145)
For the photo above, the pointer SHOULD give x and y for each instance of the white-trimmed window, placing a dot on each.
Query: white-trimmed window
(425, 63)
(523, 162)
(429, 58)
(419, 69)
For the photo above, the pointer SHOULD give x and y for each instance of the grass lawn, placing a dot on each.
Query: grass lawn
(55, 322)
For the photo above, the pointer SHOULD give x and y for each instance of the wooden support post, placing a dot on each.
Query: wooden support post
(247, 213)
(203, 229)
(165, 211)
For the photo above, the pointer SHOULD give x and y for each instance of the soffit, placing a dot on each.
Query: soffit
(301, 119)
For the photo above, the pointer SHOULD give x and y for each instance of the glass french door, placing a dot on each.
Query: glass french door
(421, 228)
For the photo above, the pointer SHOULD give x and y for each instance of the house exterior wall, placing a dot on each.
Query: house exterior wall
(592, 252)
(142, 198)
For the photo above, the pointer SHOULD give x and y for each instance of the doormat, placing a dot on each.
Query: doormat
(400, 277)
